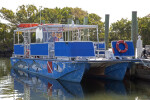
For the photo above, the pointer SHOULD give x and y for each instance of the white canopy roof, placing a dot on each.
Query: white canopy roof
(57, 27)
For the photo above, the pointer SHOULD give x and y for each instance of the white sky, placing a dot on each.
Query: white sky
(116, 8)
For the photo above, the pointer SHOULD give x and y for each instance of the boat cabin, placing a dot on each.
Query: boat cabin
(51, 41)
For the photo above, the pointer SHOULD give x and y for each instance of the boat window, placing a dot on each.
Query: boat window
(19, 37)
(33, 37)
(39, 35)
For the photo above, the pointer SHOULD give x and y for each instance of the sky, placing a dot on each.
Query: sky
(117, 9)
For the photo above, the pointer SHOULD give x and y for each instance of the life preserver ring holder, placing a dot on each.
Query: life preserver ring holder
(125, 44)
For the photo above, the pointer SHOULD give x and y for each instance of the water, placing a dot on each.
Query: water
(17, 85)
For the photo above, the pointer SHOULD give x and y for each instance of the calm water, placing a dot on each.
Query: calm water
(17, 85)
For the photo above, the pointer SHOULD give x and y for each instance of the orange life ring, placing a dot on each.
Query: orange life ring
(123, 42)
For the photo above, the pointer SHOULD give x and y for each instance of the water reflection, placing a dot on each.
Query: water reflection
(6, 85)
(104, 89)
(38, 88)
(44, 88)
(4, 67)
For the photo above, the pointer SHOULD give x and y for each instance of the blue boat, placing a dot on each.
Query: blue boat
(65, 52)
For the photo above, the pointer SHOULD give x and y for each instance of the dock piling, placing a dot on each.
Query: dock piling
(134, 29)
(106, 30)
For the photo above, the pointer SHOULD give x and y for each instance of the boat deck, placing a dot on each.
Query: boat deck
(97, 60)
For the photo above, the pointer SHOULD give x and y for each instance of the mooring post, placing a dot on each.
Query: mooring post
(69, 21)
(85, 22)
(134, 29)
(106, 30)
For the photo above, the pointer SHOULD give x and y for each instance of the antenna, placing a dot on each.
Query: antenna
(40, 13)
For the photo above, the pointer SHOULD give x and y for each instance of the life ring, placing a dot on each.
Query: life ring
(122, 42)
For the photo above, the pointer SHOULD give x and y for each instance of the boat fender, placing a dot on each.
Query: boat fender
(123, 42)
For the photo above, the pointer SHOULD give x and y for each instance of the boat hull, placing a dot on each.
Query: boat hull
(62, 70)
(109, 70)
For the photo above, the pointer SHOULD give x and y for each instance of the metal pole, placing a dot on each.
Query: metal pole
(134, 29)
(106, 30)
(29, 36)
(88, 34)
(97, 35)
(62, 35)
(18, 37)
(72, 35)
(85, 22)
(98, 40)
(68, 32)
(14, 37)
(40, 14)
(65, 36)
(78, 34)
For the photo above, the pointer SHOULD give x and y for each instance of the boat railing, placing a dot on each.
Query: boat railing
(50, 34)
(99, 49)
(77, 50)
(34, 50)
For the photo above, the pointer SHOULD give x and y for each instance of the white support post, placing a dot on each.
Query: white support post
(55, 37)
(88, 34)
(29, 37)
(65, 36)
(68, 32)
(80, 36)
(47, 37)
(72, 36)
(18, 37)
(98, 40)
(97, 35)
(29, 43)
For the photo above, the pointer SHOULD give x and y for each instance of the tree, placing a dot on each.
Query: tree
(8, 15)
(144, 29)
(24, 14)
(120, 30)
(96, 20)
(6, 38)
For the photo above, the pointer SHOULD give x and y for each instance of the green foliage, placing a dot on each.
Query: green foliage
(5, 38)
(144, 29)
(120, 30)
(96, 20)
(8, 15)
(24, 14)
